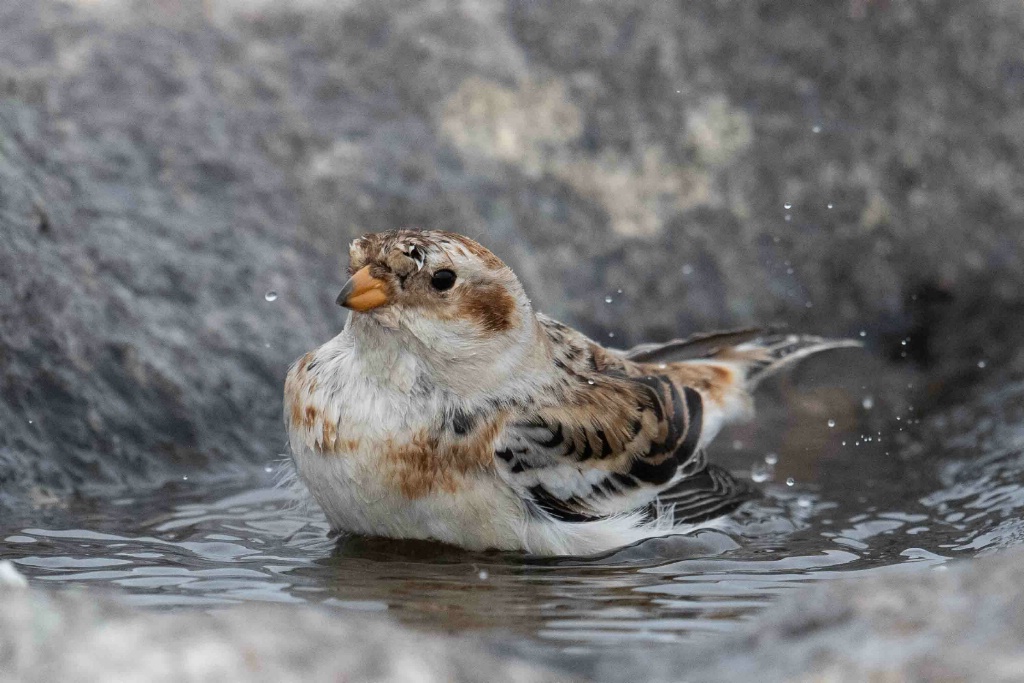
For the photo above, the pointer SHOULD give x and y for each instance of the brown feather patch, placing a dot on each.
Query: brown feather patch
(426, 464)
(296, 387)
(310, 417)
(319, 432)
(715, 382)
(490, 306)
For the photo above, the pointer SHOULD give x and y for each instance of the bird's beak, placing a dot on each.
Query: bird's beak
(363, 292)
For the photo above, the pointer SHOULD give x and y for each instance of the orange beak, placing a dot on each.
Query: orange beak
(363, 292)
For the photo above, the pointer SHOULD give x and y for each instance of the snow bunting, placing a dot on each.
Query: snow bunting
(448, 409)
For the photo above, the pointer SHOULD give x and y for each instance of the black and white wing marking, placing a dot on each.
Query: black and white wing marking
(710, 493)
(613, 449)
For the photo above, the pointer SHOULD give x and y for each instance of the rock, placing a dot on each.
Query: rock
(165, 165)
(965, 622)
(10, 577)
(957, 622)
(47, 636)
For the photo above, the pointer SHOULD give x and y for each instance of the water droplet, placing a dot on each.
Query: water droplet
(831, 424)
(184, 478)
(618, 291)
(863, 333)
(789, 271)
(687, 269)
(611, 335)
(982, 364)
(787, 206)
(816, 129)
(266, 345)
(844, 443)
(270, 296)
(771, 459)
(830, 205)
(662, 366)
(483, 575)
(268, 469)
(790, 481)
(760, 473)
(590, 381)
(30, 421)
(903, 343)
(608, 299)
(804, 501)
(868, 403)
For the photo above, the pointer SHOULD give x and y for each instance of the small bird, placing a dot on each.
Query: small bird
(448, 409)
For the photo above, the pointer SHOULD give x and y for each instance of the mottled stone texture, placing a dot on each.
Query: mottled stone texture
(50, 636)
(164, 164)
(963, 622)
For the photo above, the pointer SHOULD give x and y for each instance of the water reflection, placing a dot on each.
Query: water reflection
(254, 546)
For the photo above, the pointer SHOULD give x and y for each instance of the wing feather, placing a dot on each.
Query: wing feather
(611, 440)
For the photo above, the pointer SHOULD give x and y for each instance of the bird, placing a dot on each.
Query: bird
(447, 409)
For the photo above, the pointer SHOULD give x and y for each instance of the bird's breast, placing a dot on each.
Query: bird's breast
(385, 464)
(392, 441)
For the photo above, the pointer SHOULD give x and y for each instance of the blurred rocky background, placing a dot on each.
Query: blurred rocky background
(179, 181)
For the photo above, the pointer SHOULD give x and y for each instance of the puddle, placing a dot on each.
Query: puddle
(204, 545)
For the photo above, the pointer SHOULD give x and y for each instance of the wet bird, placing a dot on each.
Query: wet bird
(448, 409)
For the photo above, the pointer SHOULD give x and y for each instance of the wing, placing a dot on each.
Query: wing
(610, 441)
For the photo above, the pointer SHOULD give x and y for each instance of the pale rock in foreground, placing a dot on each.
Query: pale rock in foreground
(957, 622)
(51, 636)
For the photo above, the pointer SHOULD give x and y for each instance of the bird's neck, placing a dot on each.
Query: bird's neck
(503, 368)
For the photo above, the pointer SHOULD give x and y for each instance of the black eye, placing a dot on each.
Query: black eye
(443, 279)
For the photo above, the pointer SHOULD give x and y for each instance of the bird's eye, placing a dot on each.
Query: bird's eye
(443, 279)
(416, 254)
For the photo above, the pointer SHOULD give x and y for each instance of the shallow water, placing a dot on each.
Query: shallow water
(204, 545)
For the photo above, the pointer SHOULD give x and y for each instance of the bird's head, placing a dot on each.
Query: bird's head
(444, 294)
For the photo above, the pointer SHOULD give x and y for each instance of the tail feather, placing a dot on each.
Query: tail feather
(701, 345)
(762, 352)
(766, 356)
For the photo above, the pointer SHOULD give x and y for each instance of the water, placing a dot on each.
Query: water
(950, 487)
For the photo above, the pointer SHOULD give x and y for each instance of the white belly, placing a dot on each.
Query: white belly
(357, 497)
(483, 514)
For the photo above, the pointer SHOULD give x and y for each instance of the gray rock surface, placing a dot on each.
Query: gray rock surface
(903, 623)
(963, 623)
(164, 165)
(70, 636)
